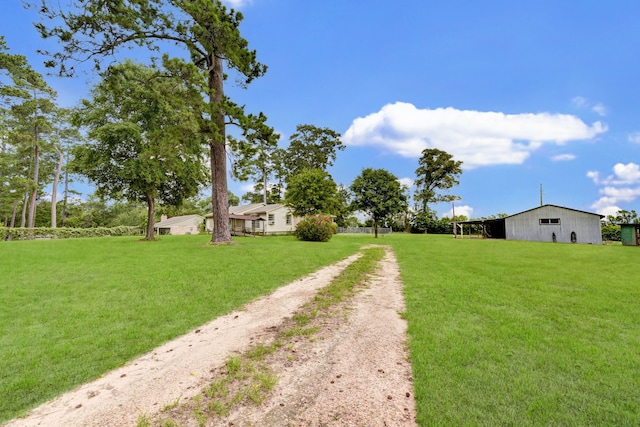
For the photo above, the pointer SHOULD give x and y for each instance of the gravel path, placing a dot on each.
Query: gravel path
(354, 372)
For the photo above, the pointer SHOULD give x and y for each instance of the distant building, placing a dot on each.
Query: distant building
(185, 224)
(630, 234)
(547, 223)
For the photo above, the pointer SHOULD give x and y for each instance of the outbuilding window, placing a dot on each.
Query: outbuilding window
(289, 220)
(550, 221)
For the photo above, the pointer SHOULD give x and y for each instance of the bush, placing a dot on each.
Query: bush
(65, 233)
(316, 228)
(611, 233)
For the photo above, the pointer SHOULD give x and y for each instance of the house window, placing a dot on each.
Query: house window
(548, 221)
(289, 220)
(272, 219)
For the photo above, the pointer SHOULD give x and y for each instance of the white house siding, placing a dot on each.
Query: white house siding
(526, 225)
(278, 226)
(279, 223)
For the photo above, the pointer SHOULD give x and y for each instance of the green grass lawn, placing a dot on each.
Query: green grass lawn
(501, 332)
(71, 310)
(522, 333)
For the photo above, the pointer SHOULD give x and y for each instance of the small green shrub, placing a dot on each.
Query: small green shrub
(316, 228)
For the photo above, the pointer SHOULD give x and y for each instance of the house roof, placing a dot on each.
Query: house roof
(241, 210)
(481, 221)
(555, 206)
(176, 220)
(264, 209)
(252, 209)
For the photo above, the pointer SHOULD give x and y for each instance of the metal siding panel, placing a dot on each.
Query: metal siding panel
(526, 226)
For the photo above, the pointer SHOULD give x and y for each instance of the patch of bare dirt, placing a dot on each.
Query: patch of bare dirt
(354, 371)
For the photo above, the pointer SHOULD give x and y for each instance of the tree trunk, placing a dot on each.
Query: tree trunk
(34, 192)
(13, 213)
(66, 194)
(54, 190)
(151, 203)
(375, 228)
(25, 202)
(219, 190)
(264, 184)
(13, 217)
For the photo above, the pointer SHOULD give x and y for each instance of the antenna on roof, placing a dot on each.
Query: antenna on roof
(540, 194)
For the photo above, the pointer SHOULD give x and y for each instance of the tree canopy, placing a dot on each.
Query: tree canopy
(378, 193)
(312, 192)
(145, 145)
(93, 30)
(436, 171)
(310, 147)
(27, 107)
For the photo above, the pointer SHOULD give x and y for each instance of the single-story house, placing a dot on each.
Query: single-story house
(547, 223)
(630, 234)
(185, 224)
(258, 218)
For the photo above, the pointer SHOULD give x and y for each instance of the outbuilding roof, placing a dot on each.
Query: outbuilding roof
(178, 220)
(481, 221)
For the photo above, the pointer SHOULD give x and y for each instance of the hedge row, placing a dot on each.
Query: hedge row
(65, 233)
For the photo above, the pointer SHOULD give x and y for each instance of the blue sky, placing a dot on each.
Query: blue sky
(524, 93)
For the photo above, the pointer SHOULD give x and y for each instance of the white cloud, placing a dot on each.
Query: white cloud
(408, 182)
(563, 157)
(600, 109)
(608, 210)
(460, 210)
(477, 138)
(594, 176)
(236, 3)
(248, 188)
(611, 196)
(580, 102)
(634, 137)
(628, 174)
(583, 103)
(623, 186)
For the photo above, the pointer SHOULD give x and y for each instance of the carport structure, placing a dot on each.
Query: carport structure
(493, 228)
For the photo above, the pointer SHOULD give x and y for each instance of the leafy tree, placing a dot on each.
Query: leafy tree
(273, 195)
(255, 160)
(27, 104)
(95, 29)
(378, 193)
(344, 211)
(146, 146)
(311, 192)
(436, 171)
(64, 136)
(310, 147)
(623, 216)
(233, 199)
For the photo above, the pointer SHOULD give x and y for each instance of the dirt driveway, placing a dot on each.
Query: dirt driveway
(354, 372)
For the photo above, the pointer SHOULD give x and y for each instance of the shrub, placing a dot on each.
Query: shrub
(65, 233)
(611, 233)
(316, 228)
